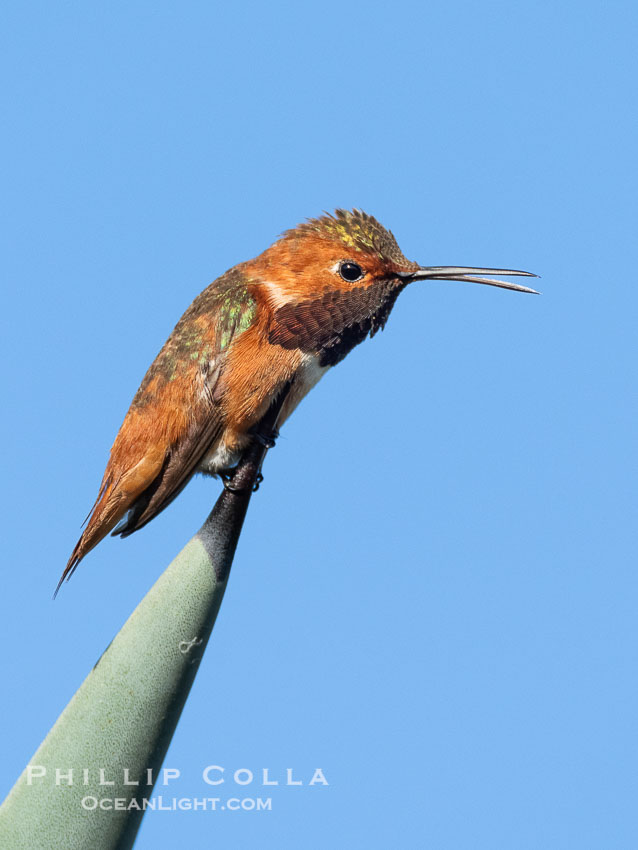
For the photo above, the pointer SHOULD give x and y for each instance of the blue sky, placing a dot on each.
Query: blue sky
(434, 598)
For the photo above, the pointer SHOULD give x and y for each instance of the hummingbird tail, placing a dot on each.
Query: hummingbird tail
(102, 519)
(117, 495)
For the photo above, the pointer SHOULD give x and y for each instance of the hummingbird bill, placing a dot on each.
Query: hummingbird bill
(282, 319)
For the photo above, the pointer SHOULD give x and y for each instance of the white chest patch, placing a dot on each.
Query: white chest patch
(309, 374)
(219, 459)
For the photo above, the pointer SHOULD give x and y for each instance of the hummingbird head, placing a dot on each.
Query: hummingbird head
(351, 248)
(333, 280)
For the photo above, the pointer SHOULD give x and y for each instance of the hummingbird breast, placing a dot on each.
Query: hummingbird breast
(228, 450)
(307, 337)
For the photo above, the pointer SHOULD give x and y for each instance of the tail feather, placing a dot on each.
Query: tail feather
(104, 516)
(118, 494)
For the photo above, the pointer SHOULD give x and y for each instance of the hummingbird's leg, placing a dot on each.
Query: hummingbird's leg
(226, 476)
(267, 440)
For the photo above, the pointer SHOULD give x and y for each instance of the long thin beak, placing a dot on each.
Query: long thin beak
(469, 275)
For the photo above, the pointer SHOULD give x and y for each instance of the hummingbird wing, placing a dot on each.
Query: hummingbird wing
(174, 419)
(179, 464)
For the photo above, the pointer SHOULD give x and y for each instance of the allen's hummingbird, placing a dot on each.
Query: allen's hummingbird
(283, 318)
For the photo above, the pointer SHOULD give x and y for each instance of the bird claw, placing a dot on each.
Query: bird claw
(267, 440)
(227, 476)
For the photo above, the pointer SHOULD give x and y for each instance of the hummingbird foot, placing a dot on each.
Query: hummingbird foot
(226, 476)
(267, 440)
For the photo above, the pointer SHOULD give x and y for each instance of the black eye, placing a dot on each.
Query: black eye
(350, 272)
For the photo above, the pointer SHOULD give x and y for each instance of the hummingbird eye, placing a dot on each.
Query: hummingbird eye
(350, 272)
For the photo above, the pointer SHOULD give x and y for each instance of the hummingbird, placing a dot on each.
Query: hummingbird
(280, 320)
